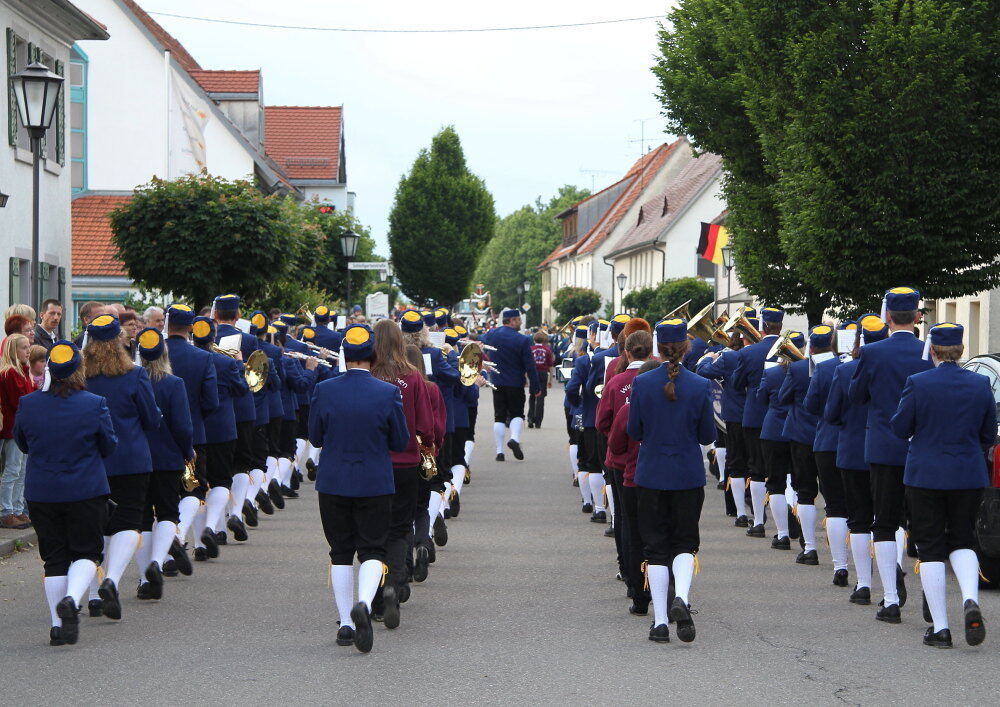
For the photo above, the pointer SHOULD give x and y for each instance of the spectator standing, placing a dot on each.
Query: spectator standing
(89, 311)
(21, 309)
(544, 361)
(153, 316)
(15, 382)
(18, 324)
(130, 325)
(37, 357)
(47, 329)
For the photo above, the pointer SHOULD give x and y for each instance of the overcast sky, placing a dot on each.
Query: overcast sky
(534, 109)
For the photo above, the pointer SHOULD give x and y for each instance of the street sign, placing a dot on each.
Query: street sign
(379, 265)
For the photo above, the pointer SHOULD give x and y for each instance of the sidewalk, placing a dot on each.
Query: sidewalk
(11, 540)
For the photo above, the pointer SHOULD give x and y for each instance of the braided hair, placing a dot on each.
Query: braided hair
(672, 355)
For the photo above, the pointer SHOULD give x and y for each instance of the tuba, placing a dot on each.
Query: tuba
(190, 479)
(706, 328)
(679, 312)
(784, 348)
(255, 370)
(741, 324)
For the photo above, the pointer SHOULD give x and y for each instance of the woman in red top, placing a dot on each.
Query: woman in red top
(391, 366)
(15, 382)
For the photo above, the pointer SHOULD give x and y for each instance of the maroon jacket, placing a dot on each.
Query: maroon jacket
(614, 396)
(419, 418)
(440, 413)
(623, 451)
(13, 386)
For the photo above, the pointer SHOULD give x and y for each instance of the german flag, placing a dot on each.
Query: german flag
(713, 238)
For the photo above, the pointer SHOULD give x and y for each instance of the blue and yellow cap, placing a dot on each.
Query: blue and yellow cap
(671, 331)
(510, 314)
(359, 342)
(180, 314)
(104, 328)
(322, 314)
(227, 303)
(618, 323)
(280, 328)
(462, 331)
(772, 315)
(258, 323)
(902, 299)
(451, 336)
(848, 324)
(150, 343)
(442, 316)
(581, 332)
(307, 333)
(202, 330)
(411, 321)
(429, 319)
(288, 319)
(946, 334)
(798, 338)
(872, 328)
(64, 359)
(821, 336)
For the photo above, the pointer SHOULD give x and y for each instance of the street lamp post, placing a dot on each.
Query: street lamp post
(727, 262)
(622, 277)
(349, 246)
(36, 91)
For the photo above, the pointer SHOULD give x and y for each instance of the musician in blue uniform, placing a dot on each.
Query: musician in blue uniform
(945, 475)
(599, 361)
(472, 406)
(808, 410)
(113, 376)
(265, 333)
(746, 379)
(851, 420)
(670, 414)
(298, 376)
(326, 337)
(515, 362)
(883, 368)
(358, 419)
(302, 446)
(309, 455)
(574, 424)
(170, 447)
(585, 401)
(67, 503)
(463, 398)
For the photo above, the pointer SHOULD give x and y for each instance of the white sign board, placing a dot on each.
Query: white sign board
(378, 265)
(377, 306)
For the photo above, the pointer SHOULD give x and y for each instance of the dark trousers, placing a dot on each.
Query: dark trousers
(634, 552)
(736, 451)
(508, 403)
(613, 478)
(69, 531)
(162, 497)
(129, 494)
(422, 519)
(888, 497)
(259, 447)
(668, 522)
(805, 475)
(286, 441)
(244, 456)
(587, 454)
(536, 403)
(941, 520)
(777, 460)
(274, 437)
(858, 495)
(831, 484)
(355, 525)
(755, 460)
(220, 464)
(404, 507)
(302, 422)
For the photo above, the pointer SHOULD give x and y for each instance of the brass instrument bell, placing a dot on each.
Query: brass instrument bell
(741, 324)
(189, 480)
(255, 370)
(784, 348)
(679, 312)
(470, 363)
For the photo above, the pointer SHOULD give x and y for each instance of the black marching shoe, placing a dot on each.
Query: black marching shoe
(516, 448)
(975, 628)
(55, 637)
(659, 634)
(742, 522)
(249, 513)
(794, 527)
(781, 543)
(288, 492)
(363, 636)
(239, 530)
(941, 639)
(310, 469)
(447, 513)
(440, 532)
(420, 564)
(840, 578)
(901, 586)
(404, 593)
(456, 506)
(889, 614)
(609, 532)
(110, 604)
(208, 540)
(95, 608)
(142, 591)
(599, 517)
(390, 606)
(587, 508)
(345, 636)
(295, 480)
(200, 554)
(169, 568)
(862, 596)
(638, 609)
(681, 615)
(264, 501)
(432, 552)
(807, 558)
(756, 531)
(221, 538)
(274, 493)
(154, 577)
(500, 457)
(67, 611)
(576, 482)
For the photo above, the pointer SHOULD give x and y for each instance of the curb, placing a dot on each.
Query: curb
(9, 545)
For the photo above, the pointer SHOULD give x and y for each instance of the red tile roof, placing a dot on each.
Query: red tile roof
(220, 81)
(163, 37)
(304, 141)
(93, 251)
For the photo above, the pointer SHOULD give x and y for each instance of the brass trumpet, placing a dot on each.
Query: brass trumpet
(784, 348)
(190, 480)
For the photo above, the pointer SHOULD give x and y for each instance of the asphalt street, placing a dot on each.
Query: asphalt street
(521, 607)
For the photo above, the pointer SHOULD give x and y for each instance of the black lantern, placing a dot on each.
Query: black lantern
(727, 257)
(349, 243)
(36, 92)
(622, 277)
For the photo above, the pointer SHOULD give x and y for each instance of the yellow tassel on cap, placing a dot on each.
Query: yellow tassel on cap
(644, 567)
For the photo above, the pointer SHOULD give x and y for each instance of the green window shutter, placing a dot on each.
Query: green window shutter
(11, 100)
(15, 276)
(61, 118)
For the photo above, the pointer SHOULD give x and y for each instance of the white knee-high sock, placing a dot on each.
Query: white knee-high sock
(659, 582)
(720, 460)
(779, 511)
(807, 519)
(683, 567)
(164, 533)
(314, 454)
(470, 447)
(238, 493)
(836, 534)
(596, 481)
(932, 582)
(342, 579)
(186, 509)
(573, 451)
(446, 497)
(885, 560)
(120, 550)
(499, 430)
(458, 477)
(301, 452)
(516, 425)
(965, 565)
(757, 491)
(272, 469)
(790, 497)
(81, 574)
(862, 558)
(737, 489)
(143, 553)
(285, 471)
(588, 496)
(198, 526)
(55, 590)
(215, 505)
(369, 577)
(434, 506)
(93, 582)
(256, 481)
(900, 546)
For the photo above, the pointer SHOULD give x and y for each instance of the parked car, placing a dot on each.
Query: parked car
(989, 516)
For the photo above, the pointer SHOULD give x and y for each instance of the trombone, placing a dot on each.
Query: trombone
(783, 348)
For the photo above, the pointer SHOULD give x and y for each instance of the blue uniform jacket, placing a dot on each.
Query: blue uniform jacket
(357, 420)
(196, 369)
(133, 411)
(466, 398)
(66, 440)
(327, 338)
(581, 397)
(773, 426)
(170, 444)
(815, 402)
(297, 380)
(849, 418)
(598, 365)
(950, 416)
(671, 431)
(243, 405)
(749, 369)
(302, 396)
(220, 424)
(800, 424)
(275, 379)
(513, 357)
(696, 350)
(883, 368)
(444, 372)
(723, 368)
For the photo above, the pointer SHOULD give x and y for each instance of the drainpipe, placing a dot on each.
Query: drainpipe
(612, 266)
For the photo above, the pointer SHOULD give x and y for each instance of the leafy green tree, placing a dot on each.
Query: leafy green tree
(571, 302)
(442, 218)
(652, 303)
(522, 240)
